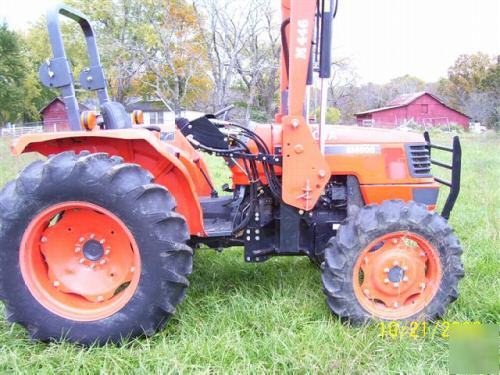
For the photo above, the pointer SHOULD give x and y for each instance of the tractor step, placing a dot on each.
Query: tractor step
(218, 215)
(216, 227)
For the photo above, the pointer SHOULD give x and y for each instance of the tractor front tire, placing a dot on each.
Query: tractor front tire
(91, 251)
(393, 261)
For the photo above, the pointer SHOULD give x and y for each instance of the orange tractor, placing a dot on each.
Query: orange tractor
(96, 239)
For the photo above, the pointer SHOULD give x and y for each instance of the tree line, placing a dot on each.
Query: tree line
(207, 54)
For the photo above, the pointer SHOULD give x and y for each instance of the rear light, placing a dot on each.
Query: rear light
(137, 117)
(88, 120)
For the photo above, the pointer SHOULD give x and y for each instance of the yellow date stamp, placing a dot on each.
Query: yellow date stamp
(419, 330)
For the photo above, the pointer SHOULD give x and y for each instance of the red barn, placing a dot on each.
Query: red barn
(421, 107)
(55, 116)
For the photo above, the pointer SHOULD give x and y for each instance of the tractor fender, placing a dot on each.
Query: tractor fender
(139, 146)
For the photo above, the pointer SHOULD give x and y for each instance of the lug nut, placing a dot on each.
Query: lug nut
(386, 281)
(81, 261)
(257, 238)
(92, 235)
(92, 265)
(102, 261)
(82, 239)
(56, 283)
(107, 251)
(386, 270)
(78, 249)
(405, 268)
(405, 279)
(395, 263)
(422, 286)
(396, 285)
(102, 241)
(248, 238)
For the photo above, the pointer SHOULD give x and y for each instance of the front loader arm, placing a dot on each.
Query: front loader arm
(305, 170)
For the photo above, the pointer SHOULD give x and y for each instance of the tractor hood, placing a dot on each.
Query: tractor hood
(356, 134)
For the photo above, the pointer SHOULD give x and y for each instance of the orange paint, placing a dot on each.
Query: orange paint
(170, 165)
(397, 275)
(62, 279)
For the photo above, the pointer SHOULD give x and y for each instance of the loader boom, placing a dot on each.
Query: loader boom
(305, 170)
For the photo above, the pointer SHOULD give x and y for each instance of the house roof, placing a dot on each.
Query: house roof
(81, 107)
(406, 99)
(147, 106)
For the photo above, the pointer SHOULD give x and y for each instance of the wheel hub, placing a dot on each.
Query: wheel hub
(93, 250)
(396, 274)
(80, 261)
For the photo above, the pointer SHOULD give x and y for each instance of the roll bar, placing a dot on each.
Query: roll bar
(56, 72)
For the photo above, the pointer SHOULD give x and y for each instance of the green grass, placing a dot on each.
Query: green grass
(271, 317)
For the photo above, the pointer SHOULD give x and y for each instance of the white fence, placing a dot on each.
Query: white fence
(16, 130)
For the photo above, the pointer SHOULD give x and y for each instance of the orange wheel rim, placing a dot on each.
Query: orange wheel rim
(80, 261)
(397, 275)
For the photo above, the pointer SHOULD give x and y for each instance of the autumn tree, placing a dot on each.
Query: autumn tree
(169, 46)
(470, 87)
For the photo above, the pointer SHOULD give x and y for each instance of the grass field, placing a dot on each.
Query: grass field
(272, 317)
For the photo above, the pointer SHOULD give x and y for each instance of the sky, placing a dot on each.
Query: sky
(383, 39)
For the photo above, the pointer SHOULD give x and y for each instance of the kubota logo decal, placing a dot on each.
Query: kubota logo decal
(302, 38)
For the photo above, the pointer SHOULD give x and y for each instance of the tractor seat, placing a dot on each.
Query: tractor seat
(203, 131)
(115, 116)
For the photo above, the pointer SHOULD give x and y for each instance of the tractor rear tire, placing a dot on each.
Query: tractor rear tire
(393, 261)
(91, 250)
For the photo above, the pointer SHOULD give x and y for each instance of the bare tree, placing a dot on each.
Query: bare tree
(224, 37)
(243, 48)
(259, 63)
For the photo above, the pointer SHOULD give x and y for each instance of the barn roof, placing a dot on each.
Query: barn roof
(405, 99)
(81, 107)
(147, 106)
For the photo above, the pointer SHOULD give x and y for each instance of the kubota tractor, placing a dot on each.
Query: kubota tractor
(96, 240)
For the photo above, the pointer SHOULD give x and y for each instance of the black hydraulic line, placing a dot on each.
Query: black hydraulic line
(213, 192)
(257, 139)
(253, 134)
(284, 44)
(316, 47)
(261, 145)
(336, 8)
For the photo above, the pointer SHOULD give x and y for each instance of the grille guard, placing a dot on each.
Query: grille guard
(455, 168)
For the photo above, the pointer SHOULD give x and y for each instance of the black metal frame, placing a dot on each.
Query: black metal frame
(56, 72)
(455, 168)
